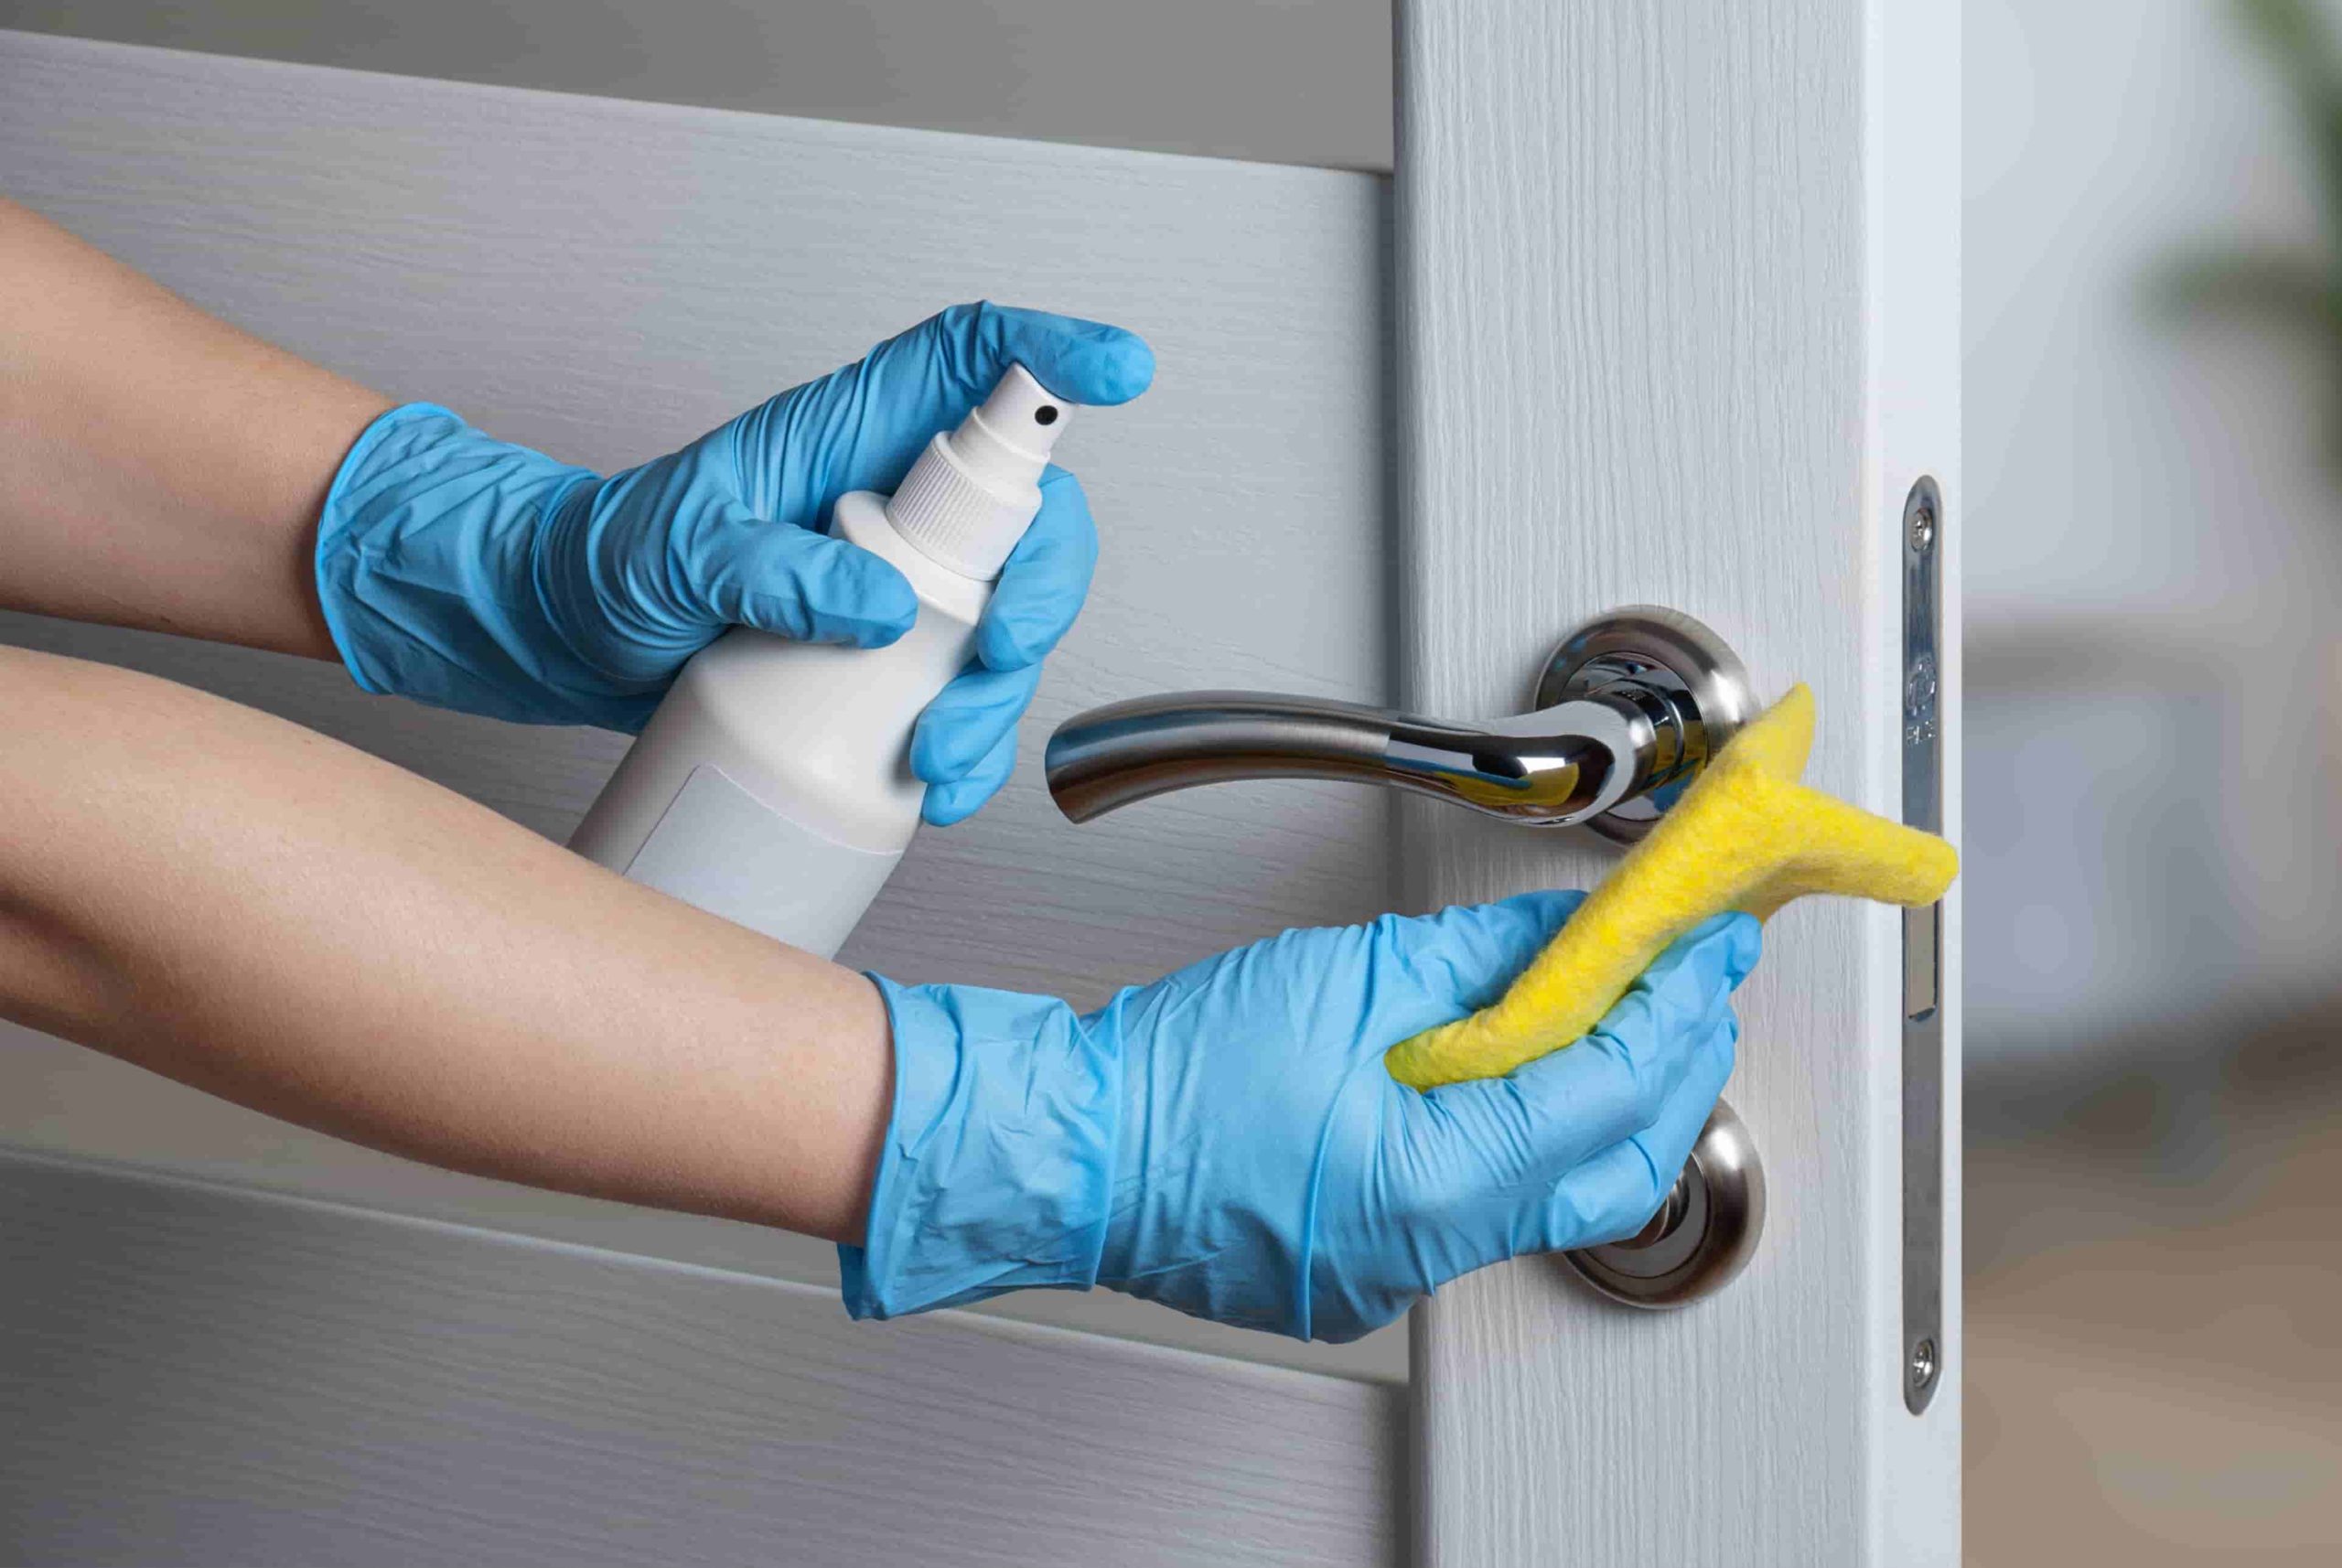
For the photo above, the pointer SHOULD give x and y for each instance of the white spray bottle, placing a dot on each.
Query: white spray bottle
(773, 786)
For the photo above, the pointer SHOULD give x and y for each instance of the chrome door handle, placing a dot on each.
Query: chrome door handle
(1558, 766)
(1628, 709)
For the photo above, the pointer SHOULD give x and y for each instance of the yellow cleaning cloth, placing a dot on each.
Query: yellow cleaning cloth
(1746, 835)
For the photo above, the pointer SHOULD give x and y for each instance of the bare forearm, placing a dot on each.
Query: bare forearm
(274, 918)
(158, 468)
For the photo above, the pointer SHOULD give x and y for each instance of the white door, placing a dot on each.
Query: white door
(1679, 322)
(1673, 310)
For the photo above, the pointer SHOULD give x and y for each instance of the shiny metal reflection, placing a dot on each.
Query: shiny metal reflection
(1705, 1232)
(1556, 766)
(1683, 676)
(1630, 707)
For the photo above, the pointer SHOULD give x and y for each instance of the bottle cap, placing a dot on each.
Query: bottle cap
(974, 490)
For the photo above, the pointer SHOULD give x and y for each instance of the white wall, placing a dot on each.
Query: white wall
(2152, 776)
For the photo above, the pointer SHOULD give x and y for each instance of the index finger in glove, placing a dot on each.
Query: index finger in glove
(860, 427)
(970, 347)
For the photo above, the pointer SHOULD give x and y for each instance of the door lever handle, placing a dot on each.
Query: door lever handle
(1559, 765)
(1627, 710)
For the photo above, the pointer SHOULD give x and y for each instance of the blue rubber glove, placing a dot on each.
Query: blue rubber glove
(1227, 1141)
(472, 573)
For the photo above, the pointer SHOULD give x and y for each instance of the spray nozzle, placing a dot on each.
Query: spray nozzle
(1021, 413)
(972, 493)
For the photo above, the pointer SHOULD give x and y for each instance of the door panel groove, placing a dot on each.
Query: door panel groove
(206, 1376)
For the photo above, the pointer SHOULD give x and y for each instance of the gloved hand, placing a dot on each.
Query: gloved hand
(468, 572)
(1227, 1142)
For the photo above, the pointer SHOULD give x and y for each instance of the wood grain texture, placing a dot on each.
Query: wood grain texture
(200, 1375)
(604, 280)
(1669, 335)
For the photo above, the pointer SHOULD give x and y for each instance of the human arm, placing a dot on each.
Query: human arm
(274, 918)
(160, 468)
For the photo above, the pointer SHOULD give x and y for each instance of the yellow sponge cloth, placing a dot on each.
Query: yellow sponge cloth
(1746, 835)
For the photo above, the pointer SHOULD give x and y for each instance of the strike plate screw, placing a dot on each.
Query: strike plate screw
(1924, 1364)
(1923, 527)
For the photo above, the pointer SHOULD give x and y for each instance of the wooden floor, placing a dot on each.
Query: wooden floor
(2154, 1333)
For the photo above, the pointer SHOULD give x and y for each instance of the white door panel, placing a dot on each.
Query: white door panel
(203, 1376)
(604, 280)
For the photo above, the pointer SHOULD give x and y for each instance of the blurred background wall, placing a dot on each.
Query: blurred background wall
(2154, 516)
(2154, 781)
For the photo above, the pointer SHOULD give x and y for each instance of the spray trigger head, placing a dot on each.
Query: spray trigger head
(975, 490)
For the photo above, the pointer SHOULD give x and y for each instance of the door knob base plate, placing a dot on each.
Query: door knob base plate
(1702, 1234)
(1691, 685)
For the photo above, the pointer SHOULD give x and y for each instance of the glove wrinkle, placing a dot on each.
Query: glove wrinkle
(1227, 1142)
(477, 575)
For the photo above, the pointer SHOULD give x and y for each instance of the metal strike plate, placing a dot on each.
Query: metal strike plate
(1703, 1234)
(1923, 1070)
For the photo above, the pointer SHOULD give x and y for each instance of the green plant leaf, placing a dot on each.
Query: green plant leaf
(2289, 290)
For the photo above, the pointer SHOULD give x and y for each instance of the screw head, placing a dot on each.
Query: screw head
(1922, 521)
(1919, 688)
(1925, 1364)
